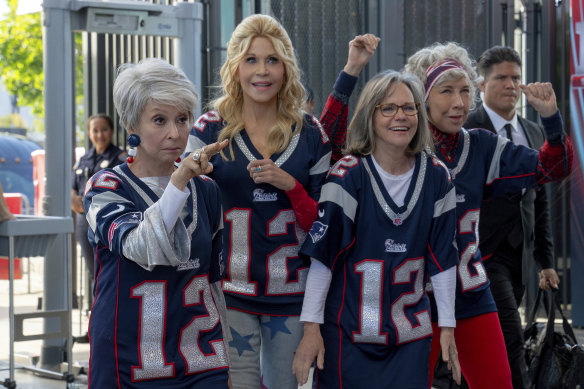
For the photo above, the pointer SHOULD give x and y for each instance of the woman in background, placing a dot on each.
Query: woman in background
(103, 154)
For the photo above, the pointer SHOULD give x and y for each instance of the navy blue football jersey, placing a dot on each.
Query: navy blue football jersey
(380, 256)
(265, 274)
(484, 165)
(158, 328)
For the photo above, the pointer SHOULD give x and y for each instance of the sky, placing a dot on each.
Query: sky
(24, 7)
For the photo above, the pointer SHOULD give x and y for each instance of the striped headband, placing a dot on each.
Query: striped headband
(436, 70)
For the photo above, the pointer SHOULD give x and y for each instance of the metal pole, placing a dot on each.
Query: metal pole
(10, 383)
(188, 51)
(59, 120)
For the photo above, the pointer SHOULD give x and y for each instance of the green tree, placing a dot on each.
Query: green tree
(21, 57)
(21, 63)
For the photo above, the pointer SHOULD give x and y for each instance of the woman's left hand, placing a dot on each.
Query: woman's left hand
(449, 352)
(196, 164)
(265, 171)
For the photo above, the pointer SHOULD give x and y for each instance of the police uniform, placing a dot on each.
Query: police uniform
(87, 166)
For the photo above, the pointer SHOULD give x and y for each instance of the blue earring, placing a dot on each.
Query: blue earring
(133, 141)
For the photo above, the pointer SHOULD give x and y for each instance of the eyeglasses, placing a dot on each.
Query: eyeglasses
(390, 110)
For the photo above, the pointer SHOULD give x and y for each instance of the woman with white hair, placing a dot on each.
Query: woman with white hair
(481, 164)
(156, 233)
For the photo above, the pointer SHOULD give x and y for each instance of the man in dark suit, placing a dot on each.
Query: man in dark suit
(514, 228)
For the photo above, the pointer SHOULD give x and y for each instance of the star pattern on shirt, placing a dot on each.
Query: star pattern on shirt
(277, 324)
(241, 343)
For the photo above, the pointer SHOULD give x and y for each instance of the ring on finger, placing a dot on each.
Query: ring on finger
(196, 155)
(258, 168)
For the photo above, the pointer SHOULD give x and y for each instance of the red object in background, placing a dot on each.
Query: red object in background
(14, 202)
(38, 179)
(5, 269)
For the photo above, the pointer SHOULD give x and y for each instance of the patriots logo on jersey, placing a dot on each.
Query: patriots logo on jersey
(261, 195)
(392, 247)
(317, 231)
(190, 264)
(460, 198)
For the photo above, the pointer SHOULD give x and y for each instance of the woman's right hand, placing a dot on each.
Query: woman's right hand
(192, 167)
(311, 346)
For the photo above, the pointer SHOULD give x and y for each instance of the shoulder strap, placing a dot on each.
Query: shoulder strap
(568, 330)
(533, 310)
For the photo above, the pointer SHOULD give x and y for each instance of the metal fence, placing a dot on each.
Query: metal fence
(102, 54)
(320, 32)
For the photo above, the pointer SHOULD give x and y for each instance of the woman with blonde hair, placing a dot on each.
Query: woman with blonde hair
(270, 177)
(482, 164)
(385, 220)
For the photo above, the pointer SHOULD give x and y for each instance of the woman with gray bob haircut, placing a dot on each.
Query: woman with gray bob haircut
(152, 79)
(385, 220)
(156, 232)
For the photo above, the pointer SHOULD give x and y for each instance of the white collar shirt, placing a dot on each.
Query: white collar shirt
(517, 131)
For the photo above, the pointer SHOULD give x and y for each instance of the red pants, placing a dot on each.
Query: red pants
(481, 352)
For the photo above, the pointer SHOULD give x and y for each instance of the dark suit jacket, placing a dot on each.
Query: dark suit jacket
(519, 219)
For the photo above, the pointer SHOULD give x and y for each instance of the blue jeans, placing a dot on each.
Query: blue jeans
(262, 350)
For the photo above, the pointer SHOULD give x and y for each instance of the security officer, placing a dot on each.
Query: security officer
(103, 154)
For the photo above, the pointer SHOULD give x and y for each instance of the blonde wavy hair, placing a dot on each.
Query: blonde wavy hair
(419, 62)
(290, 97)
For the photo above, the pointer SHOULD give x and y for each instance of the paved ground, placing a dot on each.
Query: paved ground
(27, 292)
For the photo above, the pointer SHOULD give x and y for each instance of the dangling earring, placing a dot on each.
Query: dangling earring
(133, 141)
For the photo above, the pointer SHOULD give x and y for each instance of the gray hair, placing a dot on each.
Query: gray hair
(151, 80)
(419, 63)
(361, 134)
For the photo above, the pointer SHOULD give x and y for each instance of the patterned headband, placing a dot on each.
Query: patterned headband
(438, 69)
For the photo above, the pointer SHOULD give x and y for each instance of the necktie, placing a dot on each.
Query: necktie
(508, 129)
